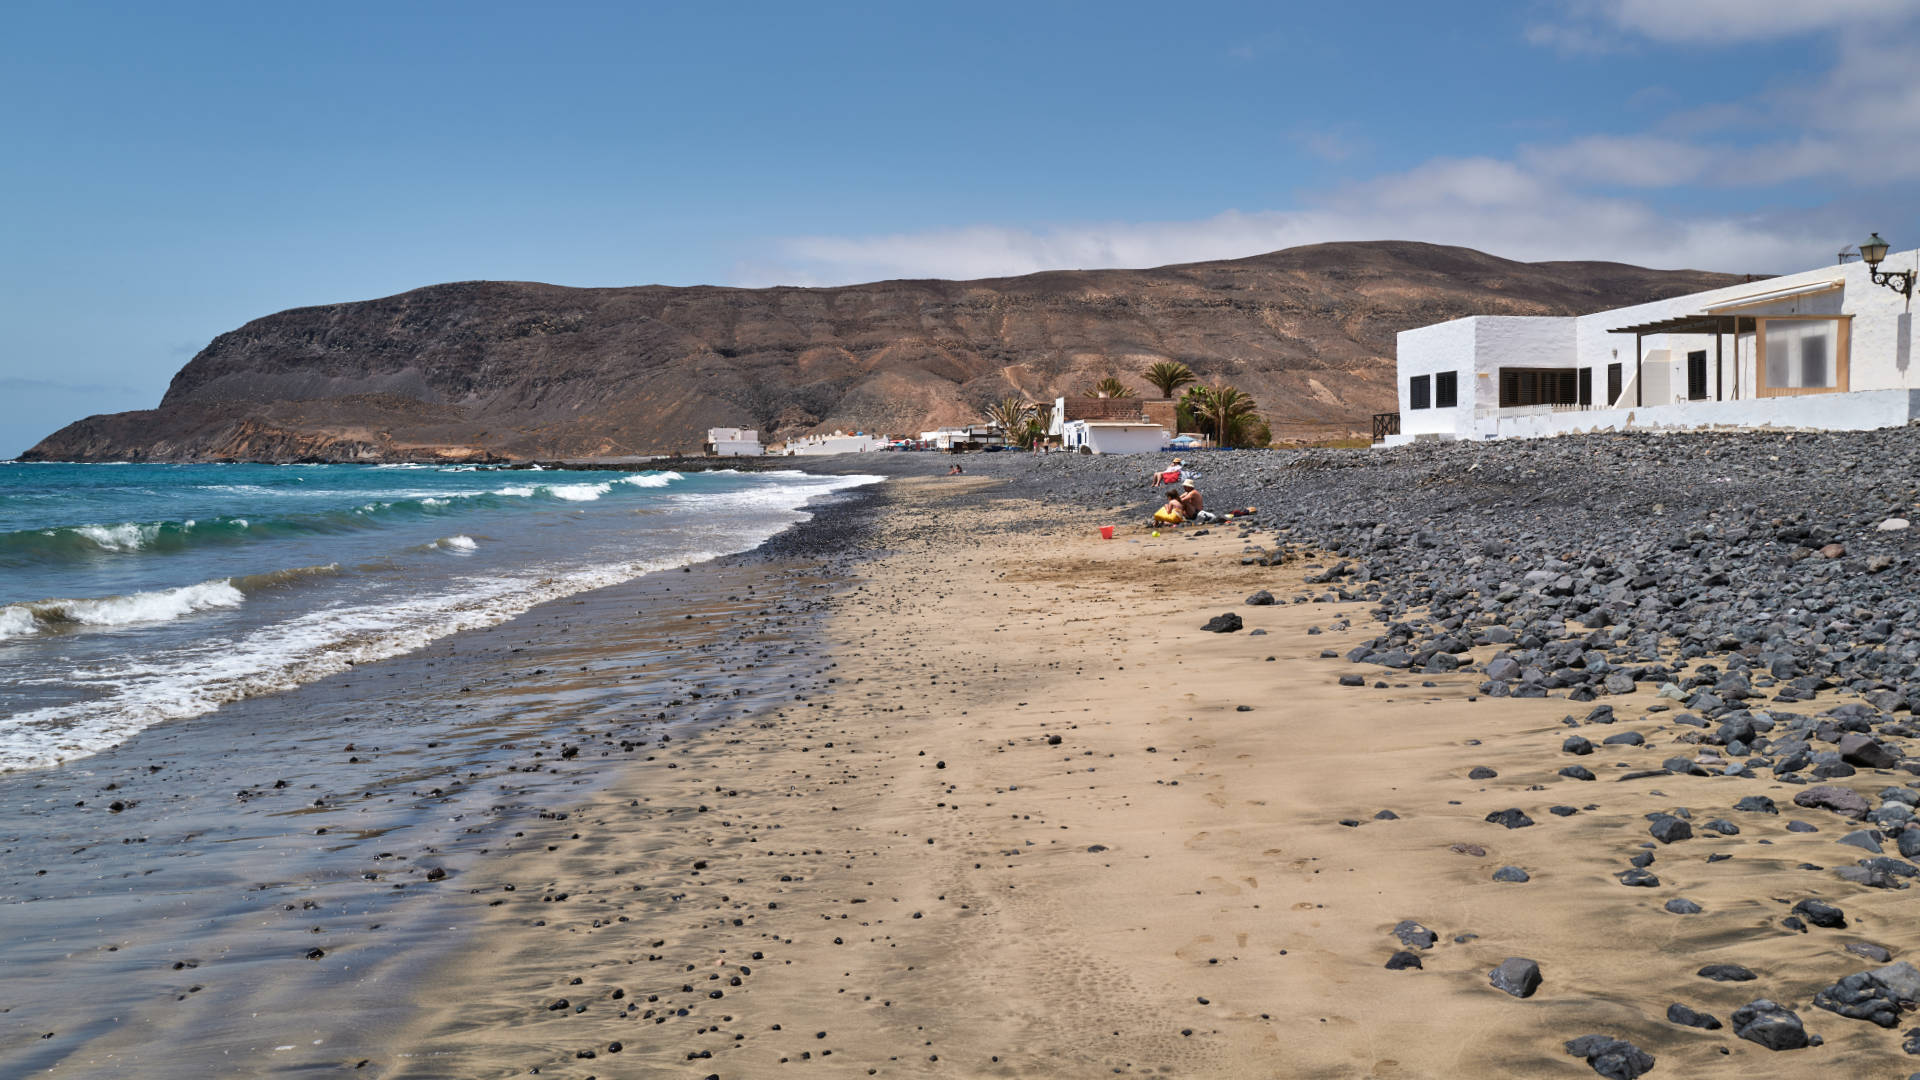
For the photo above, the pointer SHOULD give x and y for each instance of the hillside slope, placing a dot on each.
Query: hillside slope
(488, 370)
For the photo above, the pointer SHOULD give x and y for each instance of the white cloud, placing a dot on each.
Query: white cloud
(1729, 21)
(1481, 203)
(1630, 160)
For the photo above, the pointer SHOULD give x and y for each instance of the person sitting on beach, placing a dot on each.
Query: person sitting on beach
(1169, 475)
(955, 471)
(1170, 514)
(1191, 505)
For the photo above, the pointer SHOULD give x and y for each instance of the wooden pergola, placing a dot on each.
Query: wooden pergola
(1717, 325)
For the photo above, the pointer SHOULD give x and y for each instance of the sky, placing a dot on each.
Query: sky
(171, 171)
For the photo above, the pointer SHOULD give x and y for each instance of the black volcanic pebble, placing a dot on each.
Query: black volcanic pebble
(1820, 913)
(1577, 772)
(1224, 624)
(1615, 1059)
(1861, 996)
(1876, 953)
(1771, 1025)
(1260, 599)
(1726, 973)
(1638, 878)
(1481, 772)
(1415, 936)
(1404, 960)
(1577, 745)
(1757, 804)
(1512, 818)
(1511, 873)
(1516, 975)
(1680, 905)
(1685, 1017)
(1669, 830)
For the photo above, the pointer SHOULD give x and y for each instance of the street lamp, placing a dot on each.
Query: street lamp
(1872, 251)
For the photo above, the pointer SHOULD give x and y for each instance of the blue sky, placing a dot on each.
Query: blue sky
(171, 171)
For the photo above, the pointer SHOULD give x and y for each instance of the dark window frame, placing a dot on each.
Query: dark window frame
(1616, 373)
(1524, 386)
(1446, 389)
(1420, 392)
(1697, 365)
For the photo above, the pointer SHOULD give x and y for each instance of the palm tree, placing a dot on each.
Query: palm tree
(1168, 376)
(1227, 411)
(1011, 414)
(1111, 387)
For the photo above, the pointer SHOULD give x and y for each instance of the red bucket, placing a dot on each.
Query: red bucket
(1106, 532)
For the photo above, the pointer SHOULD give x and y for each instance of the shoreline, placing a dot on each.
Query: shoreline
(161, 889)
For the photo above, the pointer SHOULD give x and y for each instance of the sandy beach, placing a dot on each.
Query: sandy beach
(1041, 824)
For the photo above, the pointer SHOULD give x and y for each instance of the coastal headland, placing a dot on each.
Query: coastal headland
(1514, 744)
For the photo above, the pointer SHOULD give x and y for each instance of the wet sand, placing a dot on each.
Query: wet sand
(1034, 822)
(261, 889)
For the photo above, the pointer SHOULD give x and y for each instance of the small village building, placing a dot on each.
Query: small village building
(1826, 349)
(837, 443)
(1108, 425)
(966, 437)
(733, 442)
(1113, 436)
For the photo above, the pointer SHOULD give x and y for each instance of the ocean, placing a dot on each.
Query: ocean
(135, 594)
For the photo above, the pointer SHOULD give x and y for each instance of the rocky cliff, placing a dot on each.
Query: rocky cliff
(488, 370)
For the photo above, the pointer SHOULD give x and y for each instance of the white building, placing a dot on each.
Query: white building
(734, 442)
(1112, 425)
(969, 437)
(1824, 349)
(1113, 436)
(837, 443)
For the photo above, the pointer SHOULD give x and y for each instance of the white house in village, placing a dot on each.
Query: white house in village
(1111, 425)
(1824, 349)
(967, 437)
(837, 443)
(734, 442)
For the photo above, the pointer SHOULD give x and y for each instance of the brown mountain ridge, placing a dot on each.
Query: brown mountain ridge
(518, 370)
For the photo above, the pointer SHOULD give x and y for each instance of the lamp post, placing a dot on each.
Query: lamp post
(1872, 251)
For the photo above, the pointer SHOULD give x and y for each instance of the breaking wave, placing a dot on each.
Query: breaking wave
(143, 608)
(76, 542)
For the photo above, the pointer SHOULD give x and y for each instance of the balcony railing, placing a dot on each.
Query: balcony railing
(1385, 424)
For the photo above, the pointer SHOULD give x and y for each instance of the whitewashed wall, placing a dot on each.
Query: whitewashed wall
(1128, 439)
(1880, 358)
(1863, 411)
(1429, 350)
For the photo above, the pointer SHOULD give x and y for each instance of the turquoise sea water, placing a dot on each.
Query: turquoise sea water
(131, 594)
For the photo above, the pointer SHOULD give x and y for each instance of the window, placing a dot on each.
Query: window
(1586, 386)
(1446, 389)
(1803, 355)
(1697, 375)
(1613, 385)
(1418, 389)
(1538, 386)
